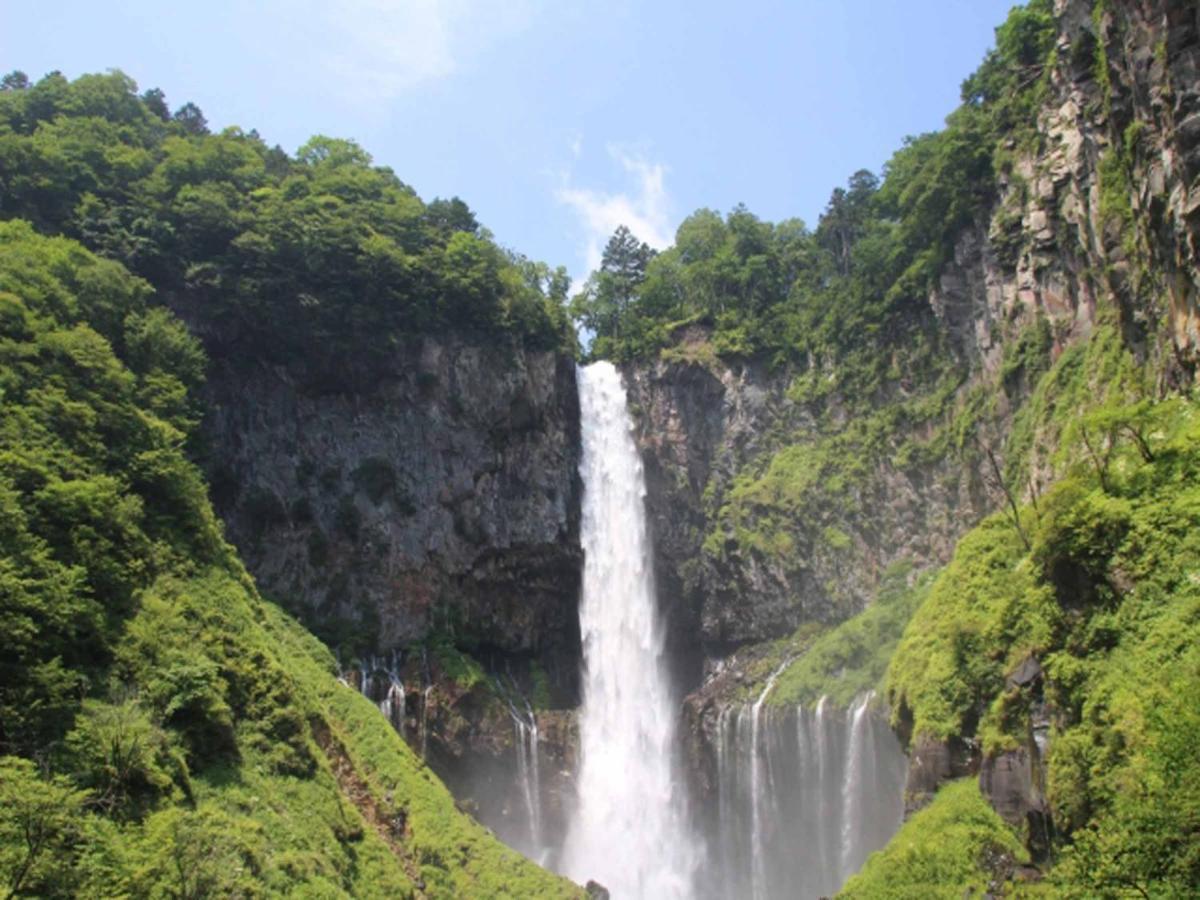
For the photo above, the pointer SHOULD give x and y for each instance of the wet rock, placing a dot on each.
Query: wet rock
(932, 762)
(1013, 782)
(1027, 674)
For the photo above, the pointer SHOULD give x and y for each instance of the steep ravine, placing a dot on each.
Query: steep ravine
(441, 508)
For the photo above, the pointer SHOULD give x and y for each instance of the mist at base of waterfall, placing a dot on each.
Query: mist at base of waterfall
(804, 796)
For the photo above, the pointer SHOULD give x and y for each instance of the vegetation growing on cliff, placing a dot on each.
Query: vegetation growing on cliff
(844, 296)
(957, 846)
(877, 386)
(1097, 582)
(163, 730)
(852, 657)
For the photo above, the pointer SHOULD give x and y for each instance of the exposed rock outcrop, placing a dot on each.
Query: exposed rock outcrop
(444, 500)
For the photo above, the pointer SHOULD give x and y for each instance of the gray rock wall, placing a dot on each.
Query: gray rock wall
(443, 500)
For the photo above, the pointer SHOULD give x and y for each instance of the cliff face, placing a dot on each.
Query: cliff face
(1098, 210)
(701, 425)
(443, 501)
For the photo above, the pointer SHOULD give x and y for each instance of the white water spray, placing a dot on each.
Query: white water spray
(528, 773)
(629, 831)
(804, 796)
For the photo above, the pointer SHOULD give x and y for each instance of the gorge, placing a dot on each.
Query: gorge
(860, 559)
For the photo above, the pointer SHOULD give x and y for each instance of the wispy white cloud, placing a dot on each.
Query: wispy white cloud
(382, 48)
(644, 207)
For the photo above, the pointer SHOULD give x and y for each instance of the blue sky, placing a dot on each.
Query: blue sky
(556, 121)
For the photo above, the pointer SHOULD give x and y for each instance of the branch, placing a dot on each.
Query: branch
(1008, 495)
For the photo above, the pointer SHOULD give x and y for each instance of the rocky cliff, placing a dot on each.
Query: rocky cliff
(442, 501)
(778, 501)
(1096, 215)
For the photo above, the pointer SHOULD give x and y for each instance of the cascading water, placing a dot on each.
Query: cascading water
(528, 772)
(629, 831)
(380, 682)
(804, 796)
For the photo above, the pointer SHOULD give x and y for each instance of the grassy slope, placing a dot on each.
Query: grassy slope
(164, 731)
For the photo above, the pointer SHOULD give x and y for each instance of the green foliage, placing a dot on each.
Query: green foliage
(39, 830)
(955, 847)
(98, 497)
(119, 754)
(1148, 847)
(195, 742)
(461, 668)
(456, 856)
(984, 614)
(1107, 599)
(849, 293)
(319, 258)
(852, 657)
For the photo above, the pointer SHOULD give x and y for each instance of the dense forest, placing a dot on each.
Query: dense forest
(316, 256)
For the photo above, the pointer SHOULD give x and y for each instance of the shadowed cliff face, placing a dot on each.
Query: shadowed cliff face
(442, 501)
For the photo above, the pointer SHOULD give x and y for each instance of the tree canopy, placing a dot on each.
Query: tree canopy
(317, 257)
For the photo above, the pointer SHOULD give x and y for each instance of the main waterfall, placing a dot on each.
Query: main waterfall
(629, 831)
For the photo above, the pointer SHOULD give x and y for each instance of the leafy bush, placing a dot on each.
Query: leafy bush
(957, 846)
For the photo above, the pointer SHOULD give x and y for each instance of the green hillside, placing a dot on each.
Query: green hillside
(165, 731)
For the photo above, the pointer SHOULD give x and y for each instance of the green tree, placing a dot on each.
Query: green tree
(610, 292)
(39, 823)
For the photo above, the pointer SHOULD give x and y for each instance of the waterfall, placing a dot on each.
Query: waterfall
(380, 682)
(526, 744)
(804, 795)
(761, 794)
(629, 830)
(428, 689)
(854, 785)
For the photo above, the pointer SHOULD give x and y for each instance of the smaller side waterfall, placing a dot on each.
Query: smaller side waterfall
(804, 795)
(761, 792)
(525, 743)
(380, 682)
